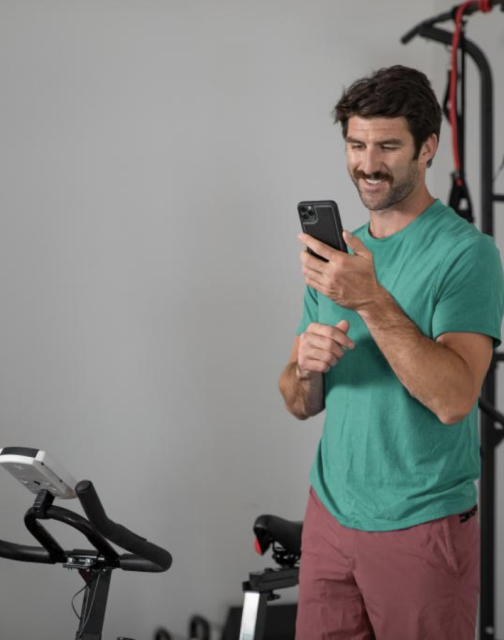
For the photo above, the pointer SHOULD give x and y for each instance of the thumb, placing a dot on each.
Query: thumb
(343, 325)
(357, 246)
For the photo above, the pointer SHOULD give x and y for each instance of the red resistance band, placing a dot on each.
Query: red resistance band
(484, 6)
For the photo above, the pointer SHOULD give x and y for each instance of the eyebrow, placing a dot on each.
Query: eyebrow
(395, 141)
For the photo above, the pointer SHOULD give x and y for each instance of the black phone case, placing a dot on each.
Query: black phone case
(321, 220)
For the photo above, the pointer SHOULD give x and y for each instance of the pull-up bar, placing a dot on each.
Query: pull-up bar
(450, 15)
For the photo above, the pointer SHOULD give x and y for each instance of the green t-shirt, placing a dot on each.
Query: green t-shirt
(385, 461)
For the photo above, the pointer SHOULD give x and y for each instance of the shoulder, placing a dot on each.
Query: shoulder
(453, 237)
(468, 255)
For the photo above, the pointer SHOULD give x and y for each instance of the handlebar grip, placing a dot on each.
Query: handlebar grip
(146, 556)
(131, 562)
(24, 553)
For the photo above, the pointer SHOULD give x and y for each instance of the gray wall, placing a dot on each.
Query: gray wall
(152, 154)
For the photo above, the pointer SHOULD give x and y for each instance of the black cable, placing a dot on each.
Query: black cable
(72, 602)
(91, 607)
(84, 588)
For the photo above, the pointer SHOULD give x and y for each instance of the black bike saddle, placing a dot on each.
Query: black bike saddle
(284, 535)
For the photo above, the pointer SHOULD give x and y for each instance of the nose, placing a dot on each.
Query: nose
(371, 161)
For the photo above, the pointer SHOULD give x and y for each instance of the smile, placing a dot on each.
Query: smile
(372, 185)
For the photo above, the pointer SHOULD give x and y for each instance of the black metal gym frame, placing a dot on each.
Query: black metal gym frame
(492, 421)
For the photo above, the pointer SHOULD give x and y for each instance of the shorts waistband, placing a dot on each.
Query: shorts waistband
(464, 517)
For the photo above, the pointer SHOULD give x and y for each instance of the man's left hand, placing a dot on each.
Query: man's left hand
(348, 280)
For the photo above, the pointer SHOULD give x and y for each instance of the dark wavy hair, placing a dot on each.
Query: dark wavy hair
(393, 92)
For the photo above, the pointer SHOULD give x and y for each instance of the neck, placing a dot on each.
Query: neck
(386, 222)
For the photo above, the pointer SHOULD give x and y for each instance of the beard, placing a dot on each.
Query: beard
(391, 194)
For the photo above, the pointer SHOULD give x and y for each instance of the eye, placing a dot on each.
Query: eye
(388, 147)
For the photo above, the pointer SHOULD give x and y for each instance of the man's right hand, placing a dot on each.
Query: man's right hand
(321, 347)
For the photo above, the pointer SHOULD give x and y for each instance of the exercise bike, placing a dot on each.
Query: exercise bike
(48, 480)
(284, 537)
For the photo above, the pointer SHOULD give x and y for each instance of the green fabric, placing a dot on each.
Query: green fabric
(385, 461)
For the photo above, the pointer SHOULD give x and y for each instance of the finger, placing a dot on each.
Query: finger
(341, 338)
(311, 262)
(313, 274)
(320, 361)
(318, 247)
(315, 282)
(314, 341)
(333, 333)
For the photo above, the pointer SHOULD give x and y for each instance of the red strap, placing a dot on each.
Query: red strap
(485, 6)
(453, 84)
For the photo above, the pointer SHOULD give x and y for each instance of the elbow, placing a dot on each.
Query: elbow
(450, 419)
(453, 407)
(296, 410)
(453, 416)
(300, 415)
(303, 412)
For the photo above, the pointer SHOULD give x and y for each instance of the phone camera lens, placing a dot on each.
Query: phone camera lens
(306, 213)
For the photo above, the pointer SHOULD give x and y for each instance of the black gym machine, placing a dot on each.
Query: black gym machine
(492, 421)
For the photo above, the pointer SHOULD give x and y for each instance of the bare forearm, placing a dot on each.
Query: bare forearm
(432, 373)
(303, 394)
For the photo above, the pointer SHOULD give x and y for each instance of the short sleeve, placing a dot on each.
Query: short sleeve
(310, 310)
(470, 290)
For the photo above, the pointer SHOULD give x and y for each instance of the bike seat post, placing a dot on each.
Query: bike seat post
(253, 620)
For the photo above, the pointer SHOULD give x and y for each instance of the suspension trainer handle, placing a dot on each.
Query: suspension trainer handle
(143, 556)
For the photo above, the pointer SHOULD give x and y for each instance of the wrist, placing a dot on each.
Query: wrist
(304, 375)
(376, 306)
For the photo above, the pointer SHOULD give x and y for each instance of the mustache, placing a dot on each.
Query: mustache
(374, 176)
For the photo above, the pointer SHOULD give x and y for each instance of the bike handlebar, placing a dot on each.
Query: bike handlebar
(146, 556)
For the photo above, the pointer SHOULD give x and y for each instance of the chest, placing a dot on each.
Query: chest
(409, 276)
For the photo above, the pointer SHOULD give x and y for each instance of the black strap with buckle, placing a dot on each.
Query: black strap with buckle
(464, 517)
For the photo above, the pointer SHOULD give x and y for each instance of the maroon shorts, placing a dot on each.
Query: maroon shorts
(420, 583)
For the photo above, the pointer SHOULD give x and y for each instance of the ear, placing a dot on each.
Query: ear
(429, 148)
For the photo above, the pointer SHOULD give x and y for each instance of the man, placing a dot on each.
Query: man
(395, 341)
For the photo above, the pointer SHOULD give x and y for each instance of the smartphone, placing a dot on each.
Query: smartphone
(321, 220)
